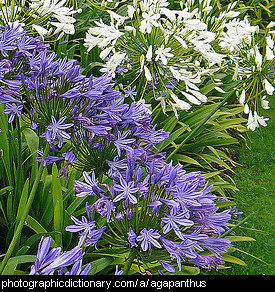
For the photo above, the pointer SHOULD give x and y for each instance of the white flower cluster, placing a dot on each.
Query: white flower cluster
(253, 66)
(176, 49)
(47, 17)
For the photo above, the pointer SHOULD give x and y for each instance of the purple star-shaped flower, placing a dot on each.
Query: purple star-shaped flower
(126, 191)
(13, 109)
(87, 188)
(122, 143)
(149, 238)
(55, 131)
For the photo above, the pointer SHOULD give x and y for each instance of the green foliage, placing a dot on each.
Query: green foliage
(204, 139)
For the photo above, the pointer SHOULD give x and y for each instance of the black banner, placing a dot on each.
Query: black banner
(149, 283)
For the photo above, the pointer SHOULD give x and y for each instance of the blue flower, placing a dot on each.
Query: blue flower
(14, 110)
(89, 188)
(130, 92)
(174, 221)
(122, 143)
(83, 226)
(155, 205)
(65, 259)
(169, 268)
(126, 191)
(105, 207)
(94, 236)
(149, 238)
(55, 131)
(47, 160)
(117, 272)
(132, 237)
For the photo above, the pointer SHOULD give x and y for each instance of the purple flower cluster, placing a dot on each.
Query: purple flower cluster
(64, 107)
(159, 210)
(15, 49)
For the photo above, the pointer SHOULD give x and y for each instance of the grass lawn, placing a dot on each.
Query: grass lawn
(255, 180)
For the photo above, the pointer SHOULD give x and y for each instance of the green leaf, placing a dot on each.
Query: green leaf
(186, 159)
(100, 264)
(33, 144)
(34, 239)
(236, 238)
(22, 259)
(75, 204)
(5, 190)
(172, 137)
(187, 270)
(10, 268)
(57, 204)
(39, 229)
(5, 145)
(23, 250)
(23, 201)
(9, 208)
(34, 225)
(225, 204)
(232, 259)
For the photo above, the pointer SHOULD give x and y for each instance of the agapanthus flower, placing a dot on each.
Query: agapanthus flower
(13, 110)
(118, 272)
(90, 187)
(50, 260)
(163, 211)
(148, 238)
(175, 51)
(47, 160)
(83, 225)
(125, 190)
(122, 143)
(85, 117)
(41, 17)
(94, 236)
(130, 92)
(148, 207)
(56, 131)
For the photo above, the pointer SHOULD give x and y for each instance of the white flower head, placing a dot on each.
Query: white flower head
(269, 48)
(181, 104)
(258, 57)
(163, 53)
(131, 10)
(147, 74)
(102, 35)
(41, 30)
(149, 20)
(246, 109)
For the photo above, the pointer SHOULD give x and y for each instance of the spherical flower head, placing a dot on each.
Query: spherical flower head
(154, 208)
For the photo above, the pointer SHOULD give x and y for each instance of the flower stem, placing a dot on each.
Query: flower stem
(20, 225)
(129, 262)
